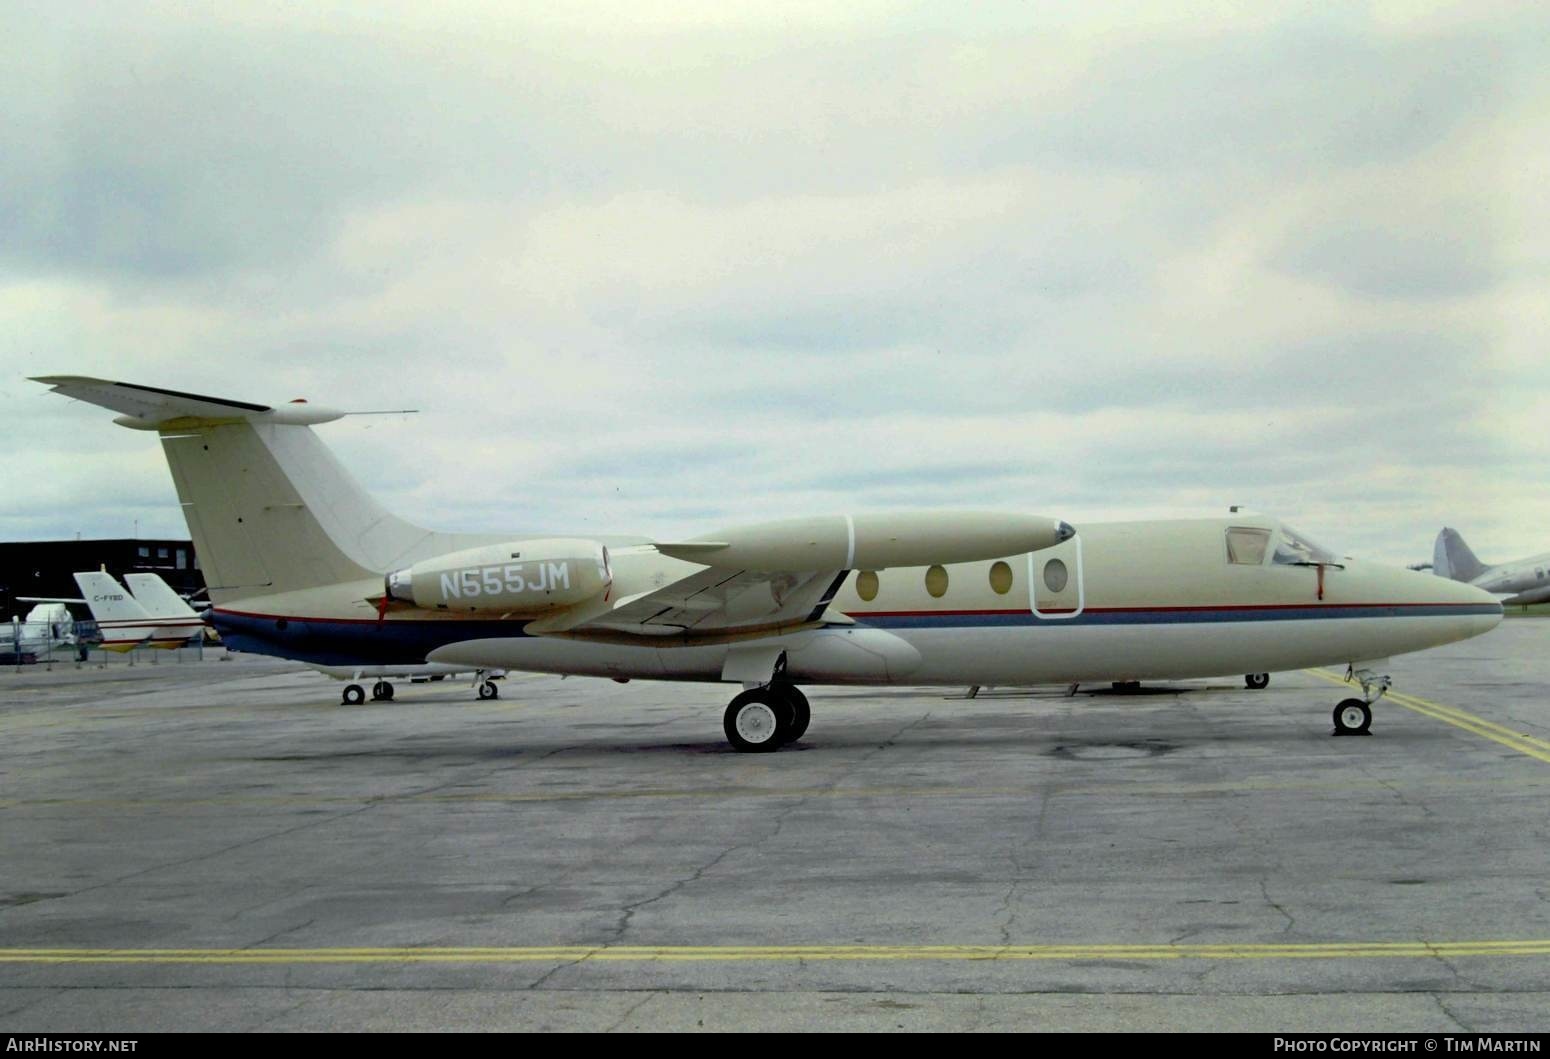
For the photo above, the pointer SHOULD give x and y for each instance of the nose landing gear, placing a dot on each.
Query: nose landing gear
(1354, 716)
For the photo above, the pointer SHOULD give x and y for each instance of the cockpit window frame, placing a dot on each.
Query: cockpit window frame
(1247, 545)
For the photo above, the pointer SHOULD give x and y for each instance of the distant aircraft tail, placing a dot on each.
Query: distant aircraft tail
(1452, 558)
(121, 619)
(269, 507)
(157, 597)
(176, 622)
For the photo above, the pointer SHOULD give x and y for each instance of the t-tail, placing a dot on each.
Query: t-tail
(123, 622)
(270, 509)
(1452, 558)
(157, 597)
(177, 623)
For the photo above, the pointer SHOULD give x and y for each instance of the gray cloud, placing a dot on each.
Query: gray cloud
(644, 274)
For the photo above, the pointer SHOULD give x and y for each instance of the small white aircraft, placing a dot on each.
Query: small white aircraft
(47, 626)
(1518, 583)
(302, 563)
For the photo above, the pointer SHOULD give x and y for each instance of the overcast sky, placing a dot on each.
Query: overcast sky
(661, 267)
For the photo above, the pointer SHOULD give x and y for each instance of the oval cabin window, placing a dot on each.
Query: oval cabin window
(1055, 575)
(866, 585)
(936, 581)
(1001, 578)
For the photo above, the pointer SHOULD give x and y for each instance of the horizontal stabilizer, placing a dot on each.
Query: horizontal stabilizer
(151, 408)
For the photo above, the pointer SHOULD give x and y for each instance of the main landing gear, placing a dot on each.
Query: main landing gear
(766, 718)
(1354, 716)
(1256, 681)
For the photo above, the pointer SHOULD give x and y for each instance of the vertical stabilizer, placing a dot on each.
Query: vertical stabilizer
(1452, 558)
(122, 621)
(269, 507)
(157, 597)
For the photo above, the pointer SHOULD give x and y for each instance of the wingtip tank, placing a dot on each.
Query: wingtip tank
(872, 542)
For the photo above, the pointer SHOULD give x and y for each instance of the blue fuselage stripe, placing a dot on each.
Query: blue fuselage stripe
(1190, 616)
(329, 642)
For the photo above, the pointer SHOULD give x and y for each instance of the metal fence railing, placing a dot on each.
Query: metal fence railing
(79, 643)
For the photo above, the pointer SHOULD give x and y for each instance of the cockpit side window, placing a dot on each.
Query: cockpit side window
(1293, 549)
(1246, 545)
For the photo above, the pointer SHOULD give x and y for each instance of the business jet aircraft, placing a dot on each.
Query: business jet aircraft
(302, 563)
(1521, 582)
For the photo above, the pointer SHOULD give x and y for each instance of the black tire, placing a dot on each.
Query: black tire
(354, 695)
(1256, 681)
(756, 722)
(379, 691)
(801, 712)
(387, 691)
(1352, 717)
(488, 691)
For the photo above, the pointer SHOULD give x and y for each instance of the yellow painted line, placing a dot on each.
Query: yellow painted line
(1522, 742)
(787, 953)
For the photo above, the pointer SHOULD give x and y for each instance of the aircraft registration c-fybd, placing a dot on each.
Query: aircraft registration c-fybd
(302, 563)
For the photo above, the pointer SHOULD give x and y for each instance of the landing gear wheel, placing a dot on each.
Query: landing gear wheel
(1257, 681)
(756, 722)
(801, 713)
(1352, 717)
(354, 695)
(382, 691)
(488, 690)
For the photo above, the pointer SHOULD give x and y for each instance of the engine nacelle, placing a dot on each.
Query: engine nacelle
(518, 577)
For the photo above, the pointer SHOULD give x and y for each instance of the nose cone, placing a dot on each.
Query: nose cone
(1456, 607)
(1481, 604)
(1413, 611)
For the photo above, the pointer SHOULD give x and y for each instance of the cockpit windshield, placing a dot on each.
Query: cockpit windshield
(1293, 549)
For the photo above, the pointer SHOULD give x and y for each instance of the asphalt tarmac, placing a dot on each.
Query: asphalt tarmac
(220, 845)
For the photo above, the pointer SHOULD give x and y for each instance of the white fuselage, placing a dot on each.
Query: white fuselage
(1131, 601)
